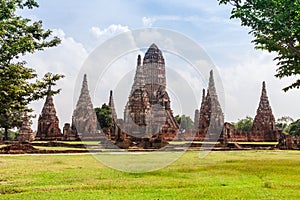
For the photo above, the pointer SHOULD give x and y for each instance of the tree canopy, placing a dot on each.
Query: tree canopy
(294, 128)
(104, 116)
(283, 123)
(275, 25)
(19, 85)
(244, 124)
(185, 122)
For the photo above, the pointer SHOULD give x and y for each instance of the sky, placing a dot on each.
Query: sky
(83, 26)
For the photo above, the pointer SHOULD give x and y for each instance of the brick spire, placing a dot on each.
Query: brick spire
(112, 105)
(153, 55)
(211, 87)
(48, 123)
(211, 118)
(139, 78)
(264, 101)
(216, 113)
(84, 118)
(49, 108)
(264, 119)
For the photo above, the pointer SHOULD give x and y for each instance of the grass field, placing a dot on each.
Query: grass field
(220, 175)
(57, 148)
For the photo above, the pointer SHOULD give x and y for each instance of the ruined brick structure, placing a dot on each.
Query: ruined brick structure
(196, 119)
(210, 119)
(84, 120)
(48, 123)
(263, 125)
(26, 134)
(264, 119)
(69, 132)
(148, 116)
(113, 133)
(112, 106)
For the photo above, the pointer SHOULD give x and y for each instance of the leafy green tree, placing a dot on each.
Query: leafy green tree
(178, 119)
(104, 116)
(275, 25)
(244, 124)
(185, 122)
(19, 85)
(283, 123)
(12, 135)
(294, 128)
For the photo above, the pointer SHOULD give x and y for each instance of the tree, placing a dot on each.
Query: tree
(185, 122)
(294, 128)
(19, 85)
(275, 25)
(283, 123)
(244, 124)
(12, 134)
(104, 116)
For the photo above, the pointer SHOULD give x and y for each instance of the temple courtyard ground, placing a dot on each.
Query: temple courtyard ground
(219, 175)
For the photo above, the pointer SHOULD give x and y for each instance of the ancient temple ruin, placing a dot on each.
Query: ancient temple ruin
(112, 106)
(48, 123)
(209, 120)
(26, 134)
(264, 119)
(148, 116)
(263, 129)
(84, 119)
(148, 120)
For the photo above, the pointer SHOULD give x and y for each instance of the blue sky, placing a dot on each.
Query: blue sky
(84, 25)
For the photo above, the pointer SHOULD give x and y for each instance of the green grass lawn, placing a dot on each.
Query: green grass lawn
(82, 142)
(257, 143)
(220, 175)
(57, 148)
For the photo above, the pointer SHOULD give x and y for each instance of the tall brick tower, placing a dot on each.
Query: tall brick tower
(48, 123)
(211, 117)
(264, 119)
(84, 119)
(148, 110)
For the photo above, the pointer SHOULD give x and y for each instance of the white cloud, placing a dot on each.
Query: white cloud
(150, 21)
(66, 59)
(108, 32)
(242, 84)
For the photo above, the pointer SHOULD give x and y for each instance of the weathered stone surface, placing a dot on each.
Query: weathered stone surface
(211, 117)
(48, 123)
(26, 134)
(147, 112)
(84, 119)
(216, 114)
(112, 106)
(196, 119)
(263, 125)
(264, 119)
(69, 133)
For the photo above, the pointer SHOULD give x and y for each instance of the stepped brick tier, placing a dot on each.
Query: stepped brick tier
(148, 118)
(48, 123)
(26, 134)
(263, 129)
(84, 119)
